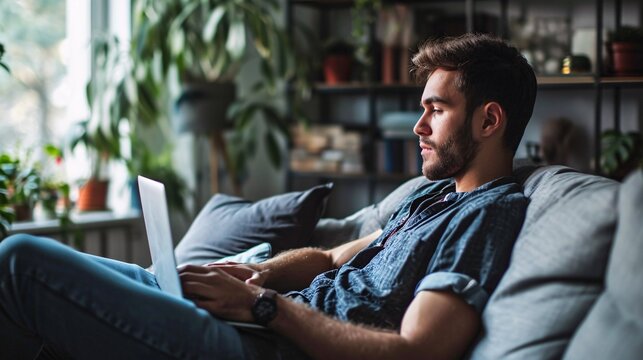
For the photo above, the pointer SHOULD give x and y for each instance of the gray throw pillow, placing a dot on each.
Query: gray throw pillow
(614, 327)
(228, 225)
(557, 266)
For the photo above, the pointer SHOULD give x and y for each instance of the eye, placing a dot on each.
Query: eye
(436, 111)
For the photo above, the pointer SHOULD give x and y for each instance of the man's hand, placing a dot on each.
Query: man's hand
(243, 272)
(218, 292)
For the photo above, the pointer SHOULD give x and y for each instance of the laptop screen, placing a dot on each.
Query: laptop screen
(159, 236)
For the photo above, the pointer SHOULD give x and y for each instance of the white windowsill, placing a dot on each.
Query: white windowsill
(82, 221)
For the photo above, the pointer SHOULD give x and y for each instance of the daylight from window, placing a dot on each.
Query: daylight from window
(47, 51)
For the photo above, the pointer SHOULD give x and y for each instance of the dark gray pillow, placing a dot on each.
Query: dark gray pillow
(228, 225)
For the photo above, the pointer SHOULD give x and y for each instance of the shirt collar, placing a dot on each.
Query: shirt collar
(454, 196)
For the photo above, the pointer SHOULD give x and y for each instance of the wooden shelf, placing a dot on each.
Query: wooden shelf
(324, 3)
(544, 82)
(361, 88)
(565, 79)
(350, 3)
(352, 176)
(588, 81)
(622, 81)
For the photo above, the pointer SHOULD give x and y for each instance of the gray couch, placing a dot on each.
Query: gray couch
(574, 287)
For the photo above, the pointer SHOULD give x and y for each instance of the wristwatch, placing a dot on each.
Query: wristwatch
(265, 307)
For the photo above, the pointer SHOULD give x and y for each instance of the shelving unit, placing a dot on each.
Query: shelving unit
(372, 92)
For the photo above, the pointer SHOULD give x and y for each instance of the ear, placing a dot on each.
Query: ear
(494, 118)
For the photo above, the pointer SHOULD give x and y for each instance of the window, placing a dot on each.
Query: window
(48, 49)
(35, 98)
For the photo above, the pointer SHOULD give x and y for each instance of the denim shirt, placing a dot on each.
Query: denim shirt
(437, 239)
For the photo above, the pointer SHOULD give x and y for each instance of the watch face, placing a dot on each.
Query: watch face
(264, 310)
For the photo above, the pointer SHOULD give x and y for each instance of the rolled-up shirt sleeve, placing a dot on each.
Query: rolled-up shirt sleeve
(463, 285)
(474, 252)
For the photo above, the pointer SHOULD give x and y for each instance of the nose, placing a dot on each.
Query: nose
(422, 126)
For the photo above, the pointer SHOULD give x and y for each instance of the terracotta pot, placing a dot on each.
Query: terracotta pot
(337, 69)
(389, 68)
(627, 58)
(92, 196)
(23, 212)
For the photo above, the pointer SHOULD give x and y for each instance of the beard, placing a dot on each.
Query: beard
(451, 158)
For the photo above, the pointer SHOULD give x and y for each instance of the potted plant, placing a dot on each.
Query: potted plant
(53, 199)
(22, 184)
(338, 59)
(101, 146)
(193, 50)
(625, 46)
(621, 153)
(100, 135)
(364, 15)
(117, 95)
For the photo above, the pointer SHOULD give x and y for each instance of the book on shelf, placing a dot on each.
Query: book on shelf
(398, 156)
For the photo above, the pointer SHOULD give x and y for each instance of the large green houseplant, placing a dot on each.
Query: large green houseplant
(118, 97)
(99, 135)
(195, 50)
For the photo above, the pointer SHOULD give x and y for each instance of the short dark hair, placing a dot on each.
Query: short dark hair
(489, 70)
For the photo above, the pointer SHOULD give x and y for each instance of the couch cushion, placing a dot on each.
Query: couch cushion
(228, 225)
(332, 232)
(614, 327)
(557, 266)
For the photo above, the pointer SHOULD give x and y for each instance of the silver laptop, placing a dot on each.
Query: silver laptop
(159, 237)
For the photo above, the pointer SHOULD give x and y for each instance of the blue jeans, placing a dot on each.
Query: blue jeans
(57, 302)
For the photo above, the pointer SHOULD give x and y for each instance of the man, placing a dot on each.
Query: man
(413, 290)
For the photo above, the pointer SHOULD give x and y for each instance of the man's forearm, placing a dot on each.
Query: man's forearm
(294, 269)
(436, 325)
(323, 337)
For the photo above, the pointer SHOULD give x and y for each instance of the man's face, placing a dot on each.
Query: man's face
(446, 138)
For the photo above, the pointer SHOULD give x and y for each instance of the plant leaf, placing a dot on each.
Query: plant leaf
(267, 73)
(130, 89)
(53, 151)
(282, 53)
(623, 153)
(610, 163)
(262, 40)
(210, 29)
(628, 140)
(236, 43)
(177, 42)
(274, 152)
